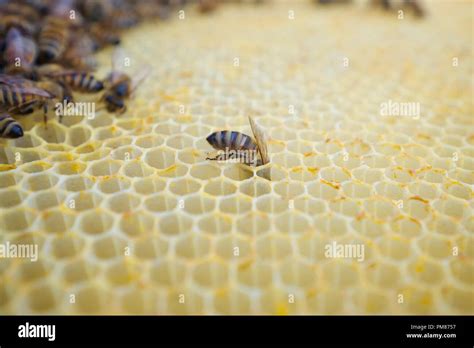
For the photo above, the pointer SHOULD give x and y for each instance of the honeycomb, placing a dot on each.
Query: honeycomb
(130, 218)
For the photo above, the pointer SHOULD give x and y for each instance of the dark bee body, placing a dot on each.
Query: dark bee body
(232, 140)
(53, 38)
(13, 96)
(114, 103)
(18, 95)
(9, 128)
(103, 37)
(119, 88)
(97, 10)
(80, 81)
(207, 6)
(413, 5)
(59, 90)
(120, 85)
(417, 9)
(233, 145)
(29, 13)
(79, 53)
(18, 22)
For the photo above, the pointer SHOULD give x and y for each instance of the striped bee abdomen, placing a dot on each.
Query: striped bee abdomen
(53, 39)
(11, 96)
(9, 128)
(81, 81)
(230, 139)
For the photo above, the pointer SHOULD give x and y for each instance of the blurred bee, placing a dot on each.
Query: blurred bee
(242, 146)
(417, 9)
(57, 89)
(22, 96)
(414, 5)
(150, 9)
(60, 91)
(102, 38)
(325, 2)
(53, 39)
(112, 14)
(123, 19)
(24, 10)
(20, 51)
(119, 85)
(40, 6)
(79, 53)
(9, 128)
(15, 21)
(66, 10)
(97, 10)
(206, 6)
(76, 80)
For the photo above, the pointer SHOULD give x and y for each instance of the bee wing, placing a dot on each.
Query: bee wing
(12, 80)
(140, 76)
(118, 59)
(35, 91)
(261, 140)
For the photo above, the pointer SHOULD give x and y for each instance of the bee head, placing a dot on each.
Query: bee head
(114, 103)
(99, 86)
(15, 132)
(121, 89)
(46, 56)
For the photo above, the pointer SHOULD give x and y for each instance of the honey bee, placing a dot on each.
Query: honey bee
(60, 91)
(97, 10)
(149, 9)
(20, 51)
(112, 14)
(9, 127)
(119, 85)
(417, 9)
(19, 95)
(241, 146)
(79, 81)
(414, 5)
(24, 10)
(206, 6)
(79, 53)
(325, 2)
(101, 37)
(65, 9)
(53, 39)
(15, 21)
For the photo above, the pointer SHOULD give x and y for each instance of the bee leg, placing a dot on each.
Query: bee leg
(45, 115)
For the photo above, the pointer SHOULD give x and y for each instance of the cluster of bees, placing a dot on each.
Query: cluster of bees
(47, 53)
